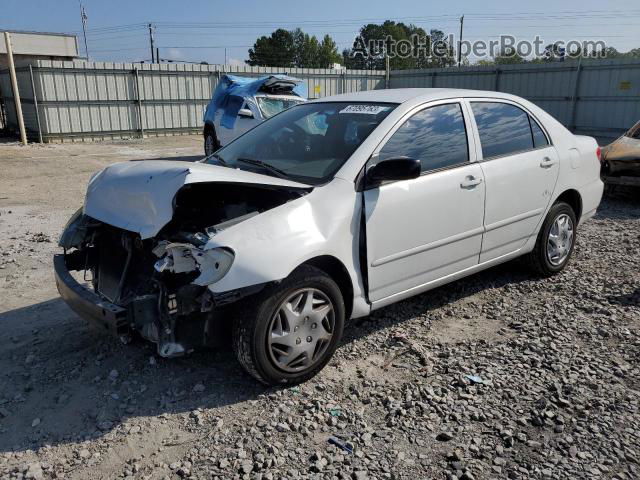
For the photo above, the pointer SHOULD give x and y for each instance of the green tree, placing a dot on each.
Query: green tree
(608, 53)
(369, 48)
(633, 53)
(508, 56)
(553, 52)
(306, 49)
(328, 52)
(293, 49)
(277, 50)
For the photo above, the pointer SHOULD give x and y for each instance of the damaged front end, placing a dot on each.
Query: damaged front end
(157, 286)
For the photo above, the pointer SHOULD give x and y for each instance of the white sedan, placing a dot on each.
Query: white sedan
(325, 212)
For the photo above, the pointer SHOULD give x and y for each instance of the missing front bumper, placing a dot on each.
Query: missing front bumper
(194, 320)
(108, 316)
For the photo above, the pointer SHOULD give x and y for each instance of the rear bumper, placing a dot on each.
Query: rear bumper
(87, 304)
(629, 167)
(591, 195)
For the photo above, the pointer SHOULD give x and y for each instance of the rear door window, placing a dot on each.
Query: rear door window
(504, 129)
(436, 136)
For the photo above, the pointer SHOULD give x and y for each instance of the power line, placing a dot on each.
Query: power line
(206, 46)
(120, 49)
(479, 23)
(453, 18)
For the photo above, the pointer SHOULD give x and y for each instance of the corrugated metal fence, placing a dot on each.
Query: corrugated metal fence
(593, 97)
(86, 100)
(93, 100)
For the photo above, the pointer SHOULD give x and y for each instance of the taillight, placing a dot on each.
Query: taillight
(599, 153)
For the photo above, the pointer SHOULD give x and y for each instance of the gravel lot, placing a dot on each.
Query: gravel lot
(501, 375)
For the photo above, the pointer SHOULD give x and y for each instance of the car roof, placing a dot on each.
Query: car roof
(417, 95)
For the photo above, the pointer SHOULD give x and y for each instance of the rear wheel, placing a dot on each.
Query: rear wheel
(289, 332)
(556, 240)
(210, 142)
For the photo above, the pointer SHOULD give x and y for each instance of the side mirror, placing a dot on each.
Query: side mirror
(393, 169)
(245, 112)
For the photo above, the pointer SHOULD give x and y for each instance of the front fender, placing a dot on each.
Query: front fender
(268, 247)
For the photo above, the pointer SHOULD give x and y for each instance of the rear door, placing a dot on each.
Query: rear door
(520, 167)
(424, 229)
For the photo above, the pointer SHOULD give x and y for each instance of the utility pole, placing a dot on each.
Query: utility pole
(151, 40)
(14, 86)
(83, 17)
(460, 41)
(157, 54)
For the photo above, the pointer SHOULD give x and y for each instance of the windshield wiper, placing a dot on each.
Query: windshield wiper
(263, 165)
(219, 159)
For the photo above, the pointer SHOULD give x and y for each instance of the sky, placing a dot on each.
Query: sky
(212, 30)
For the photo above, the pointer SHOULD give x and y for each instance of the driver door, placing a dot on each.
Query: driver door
(430, 227)
(241, 124)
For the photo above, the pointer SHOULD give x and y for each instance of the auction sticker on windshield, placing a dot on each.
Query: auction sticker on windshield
(366, 109)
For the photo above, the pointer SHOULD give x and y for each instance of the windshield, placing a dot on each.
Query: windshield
(307, 143)
(634, 132)
(269, 106)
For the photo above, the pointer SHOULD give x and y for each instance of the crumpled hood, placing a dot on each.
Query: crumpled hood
(138, 196)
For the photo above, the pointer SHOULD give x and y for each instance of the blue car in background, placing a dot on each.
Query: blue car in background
(240, 103)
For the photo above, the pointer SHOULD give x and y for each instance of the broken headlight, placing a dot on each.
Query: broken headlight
(213, 264)
(69, 230)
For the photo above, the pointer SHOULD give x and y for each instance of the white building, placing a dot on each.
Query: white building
(38, 46)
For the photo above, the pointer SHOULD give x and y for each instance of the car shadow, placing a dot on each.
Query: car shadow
(627, 299)
(616, 201)
(510, 273)
(62, 381)
(65, 382)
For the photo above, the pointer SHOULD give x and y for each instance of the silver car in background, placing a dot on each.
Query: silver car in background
(240, 103)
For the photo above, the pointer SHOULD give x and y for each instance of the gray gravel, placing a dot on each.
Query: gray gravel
(500, 375)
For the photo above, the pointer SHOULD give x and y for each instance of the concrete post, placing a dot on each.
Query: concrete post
(14, 86)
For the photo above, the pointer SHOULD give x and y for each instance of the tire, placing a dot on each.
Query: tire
(258, 327)
(210, 142)
(542, 259)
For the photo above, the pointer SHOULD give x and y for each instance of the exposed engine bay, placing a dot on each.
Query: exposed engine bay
(162, 281)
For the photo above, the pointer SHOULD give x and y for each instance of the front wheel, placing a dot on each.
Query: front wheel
(289, 332)
(556, 240)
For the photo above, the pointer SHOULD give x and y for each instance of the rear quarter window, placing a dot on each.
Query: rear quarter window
(539, 138)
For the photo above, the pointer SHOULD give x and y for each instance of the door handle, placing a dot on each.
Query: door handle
(470, 182)
(547, 163)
